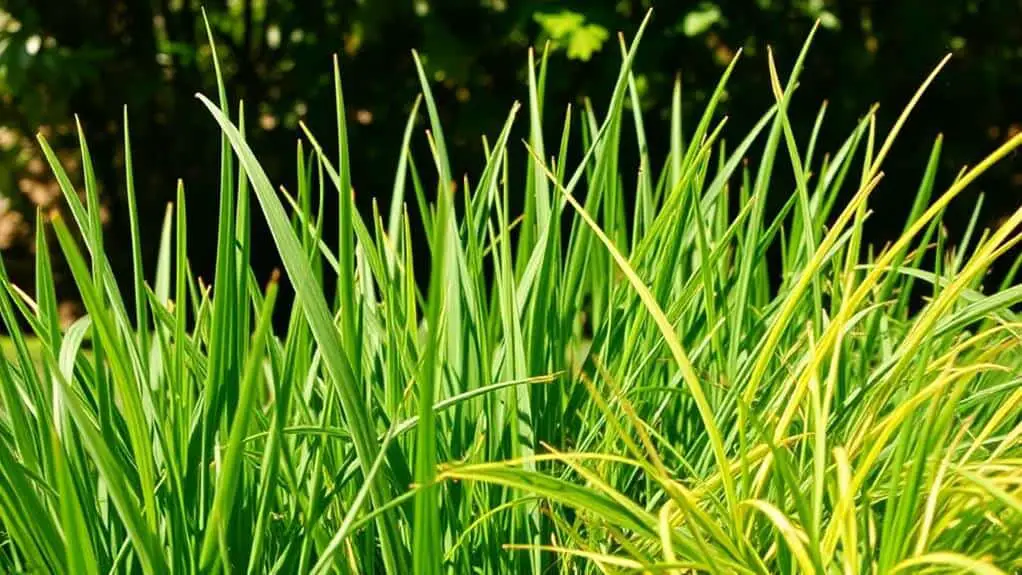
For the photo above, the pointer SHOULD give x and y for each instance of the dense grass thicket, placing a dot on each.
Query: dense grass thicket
(593, 385)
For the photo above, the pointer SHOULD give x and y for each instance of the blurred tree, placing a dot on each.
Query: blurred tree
(90, 57)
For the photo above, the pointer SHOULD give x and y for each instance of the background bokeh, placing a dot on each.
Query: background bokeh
(59, 58)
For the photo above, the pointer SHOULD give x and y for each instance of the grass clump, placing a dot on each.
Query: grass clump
(712, 421)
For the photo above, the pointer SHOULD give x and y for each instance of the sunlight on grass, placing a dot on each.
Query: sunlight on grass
(646, 370)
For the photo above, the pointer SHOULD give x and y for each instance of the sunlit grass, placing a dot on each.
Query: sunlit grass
(580, 389)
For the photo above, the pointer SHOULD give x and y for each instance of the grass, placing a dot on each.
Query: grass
(713, 420)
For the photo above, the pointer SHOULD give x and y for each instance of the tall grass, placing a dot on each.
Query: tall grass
(583, 388)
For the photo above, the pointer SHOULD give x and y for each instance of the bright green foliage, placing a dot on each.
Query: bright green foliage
(581, 389)
(580, 38)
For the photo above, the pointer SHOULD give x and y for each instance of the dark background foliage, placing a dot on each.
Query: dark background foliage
(90, 57)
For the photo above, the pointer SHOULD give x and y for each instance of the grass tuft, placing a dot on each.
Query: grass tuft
(581, 389)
